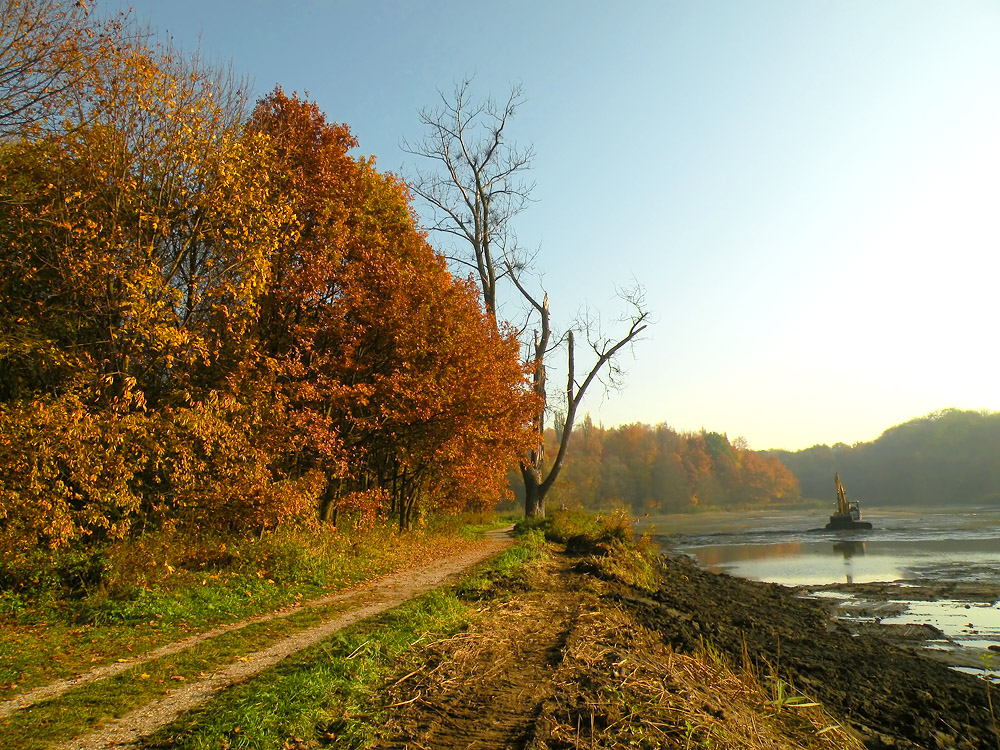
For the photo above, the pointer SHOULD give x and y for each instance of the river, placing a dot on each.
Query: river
(957, 549)
(781, 547)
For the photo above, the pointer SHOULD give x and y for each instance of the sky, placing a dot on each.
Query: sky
(808, 190)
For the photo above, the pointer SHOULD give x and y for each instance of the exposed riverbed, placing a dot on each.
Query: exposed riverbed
(925, 578)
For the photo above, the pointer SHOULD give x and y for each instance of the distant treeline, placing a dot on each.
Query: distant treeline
(948, 457)
(651, 468)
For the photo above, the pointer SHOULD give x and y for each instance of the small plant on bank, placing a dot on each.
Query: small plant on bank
(617, 525)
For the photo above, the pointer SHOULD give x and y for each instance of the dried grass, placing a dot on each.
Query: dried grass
(627, 563)
(620, 686)
(608, 682)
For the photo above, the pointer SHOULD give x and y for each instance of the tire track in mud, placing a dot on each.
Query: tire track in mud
(489, 688)
(505, 716)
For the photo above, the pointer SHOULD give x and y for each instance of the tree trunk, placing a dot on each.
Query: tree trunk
(406, 513)
(327, 510)
(407, 497)
(534, 497)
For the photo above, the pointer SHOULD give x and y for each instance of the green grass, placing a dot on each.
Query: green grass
(156, 593)
(322, 691)
(562, 525)
(476, 530)
(330, 693)
(472, 525)
(86, 707)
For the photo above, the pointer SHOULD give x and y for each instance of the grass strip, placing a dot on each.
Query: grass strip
(330, 692)
(62, 639)
(86, 708)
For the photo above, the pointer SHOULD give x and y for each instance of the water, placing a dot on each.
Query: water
(781, 547)
(958, 549)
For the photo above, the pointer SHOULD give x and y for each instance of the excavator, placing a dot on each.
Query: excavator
(848, 515)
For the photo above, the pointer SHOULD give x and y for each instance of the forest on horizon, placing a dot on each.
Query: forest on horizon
(649, 469)
(946, 458)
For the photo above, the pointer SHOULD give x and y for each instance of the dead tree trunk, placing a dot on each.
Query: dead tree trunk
(475, 194)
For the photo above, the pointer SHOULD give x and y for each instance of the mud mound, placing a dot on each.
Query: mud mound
(620, 686)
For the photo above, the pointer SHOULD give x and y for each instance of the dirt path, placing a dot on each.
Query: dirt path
(390, 592)
(57, 688)
(485, 688)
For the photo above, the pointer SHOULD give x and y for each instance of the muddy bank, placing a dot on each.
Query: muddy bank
(954, 622)
(590, 652)
(891, 696)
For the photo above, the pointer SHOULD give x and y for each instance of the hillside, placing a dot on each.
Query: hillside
(947, 457)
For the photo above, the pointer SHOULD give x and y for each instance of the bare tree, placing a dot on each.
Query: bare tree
(604, 351)
(476, 187)
(475, 190)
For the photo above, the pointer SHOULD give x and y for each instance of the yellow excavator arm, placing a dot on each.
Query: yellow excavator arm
(842, 507)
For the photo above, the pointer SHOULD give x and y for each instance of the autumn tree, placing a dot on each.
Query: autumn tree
(214, 322)
(46, 47)
(445, 404)
(476, 187)
(136, 233)
(295, 349)
(398, 383)
(141, 222)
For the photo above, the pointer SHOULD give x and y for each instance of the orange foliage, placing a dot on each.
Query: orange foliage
(206, 323)
(376, 342)
(656, 468)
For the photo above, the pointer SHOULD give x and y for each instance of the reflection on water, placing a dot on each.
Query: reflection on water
(974, 624)
(780, 547)
(849, 549)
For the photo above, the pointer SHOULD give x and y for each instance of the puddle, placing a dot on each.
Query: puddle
(992, 675)
(831, 594)
(966, 635)
(969, 623)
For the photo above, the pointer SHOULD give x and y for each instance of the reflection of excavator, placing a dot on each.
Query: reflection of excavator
(848, 515)
(849, 548)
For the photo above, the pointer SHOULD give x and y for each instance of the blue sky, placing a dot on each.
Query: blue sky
(808, 190)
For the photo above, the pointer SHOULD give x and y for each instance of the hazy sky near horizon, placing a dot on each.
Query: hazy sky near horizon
(808, 190)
